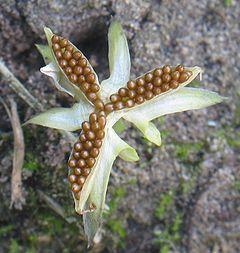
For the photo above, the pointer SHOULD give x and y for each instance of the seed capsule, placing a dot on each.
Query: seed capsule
(131, 85)
(76, 188)
(92, 117)
(94, 152)
(77, 171)
(90, 162)
(72, 178)
(72, 163)
(81, 163)
(77, 55)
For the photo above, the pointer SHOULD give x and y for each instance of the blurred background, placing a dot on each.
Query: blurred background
(181, 197)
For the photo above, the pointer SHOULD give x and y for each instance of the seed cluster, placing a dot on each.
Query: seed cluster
(76, 67)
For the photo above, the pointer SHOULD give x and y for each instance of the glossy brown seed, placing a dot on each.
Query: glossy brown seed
(68, 70)
(95, 87)
(58, 54)
(86, 172)
(81, 163)
(87, 71)
(81, 79)
(73, 78)
(139, 99)
(95, 126)
(149, 86)
(157, 90)
(129, 103)
(72, 163)
(157, 81)
(77, 55)
(97, 143)
(173, 84)
(183, 77)
(148, 77)
(83, 137)
(76, 155)
(175, 75)
(78, 171)
(101, 113)
(131, 85)
(90, 78)
(166, 78)
(82, 63)
(108, 107)
(86, 126)
(148, 95)
(78, 146)
(72, 178)
(87, 145)
(84, 86)
(76, 188)
(102, 121)
(92, 117)
(63, 63)
(55, 39)
(115, 98)
(140, 90)
(165, 87)
(92, 96)
(94, 152)
(180, 68)
(72, 62)
(157, 72)
(132, 93)
(63, 42)
(55, 47)
(90, 161)
(69, 48)
(100, 134)
(84, 154)
(77, 69)
(118, 105)
(90, 135)
(81, 180)
(140, 82)
(166, 69)
(99, 104)
(67, 55)
(123, 92)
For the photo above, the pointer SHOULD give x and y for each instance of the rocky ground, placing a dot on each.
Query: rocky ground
(182, 197)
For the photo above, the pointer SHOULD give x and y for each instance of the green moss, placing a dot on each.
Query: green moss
(227, 3)
(14, 247)
(165, 202)
(31, 162)
(236, 185)
(4, 230)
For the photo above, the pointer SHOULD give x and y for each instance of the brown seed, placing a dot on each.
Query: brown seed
(82, 137)
(166, 69)
(86, 126)
(72, 163)
(67, 55)
(148, 77)
(81, 163)
(157, 72)
(68, 70)
(140, 90)
(55, 39)
(84, 86)
(55, 46)
(97, 143)
(118, 105)
(183, 77)
(72, 62)
(77, 69)
(140, 82)
(63, 63)
(166, 78)
(90, 135)
(148, 95)
(102, 121)
(78, 146)
(165, 87)
(131, 93)
(76, 188)
(69, 48)
(82, 63)
(100, 134)
(108, 107)
(157, 81)
(175, 75)
(95, 126)
(180, 68)
(131, 85)
(76, 155)
(93, 117)
(58, 54)
(90, 78)
(139, 99)
(149, 86)
(87, 145)
(81, 180)
(72, 178)
(173, 84)
(99, 104)
(87, 71)
(157, 90)
(77, 55)
(81, 79)
(94, 152)
(84, 154)
(90, 162)
(114, 98)
(86, 172)
(123, 92)
(73, 78)
(63, 42)
(129, 103)
(95, 87)
(78, 171)
(92, 96)
(101, 113)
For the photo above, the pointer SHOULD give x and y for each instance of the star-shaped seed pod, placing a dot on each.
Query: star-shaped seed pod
(98, 107)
